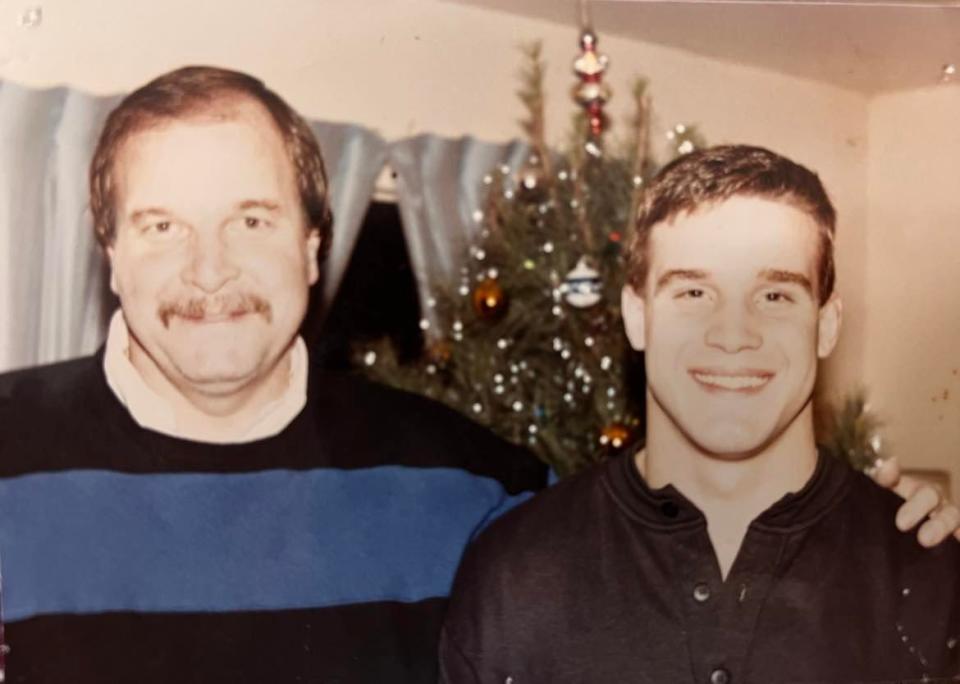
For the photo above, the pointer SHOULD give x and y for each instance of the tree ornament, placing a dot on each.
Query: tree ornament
(582, 288)
(489, 299)
(614, 435)
(591, 93)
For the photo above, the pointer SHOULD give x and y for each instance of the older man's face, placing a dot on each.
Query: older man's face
(212, 259)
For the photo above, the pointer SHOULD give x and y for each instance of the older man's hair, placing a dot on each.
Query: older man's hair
(196, 91)
(708, 176)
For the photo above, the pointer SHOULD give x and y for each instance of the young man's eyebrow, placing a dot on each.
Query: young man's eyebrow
(673, 274)
(776, 275)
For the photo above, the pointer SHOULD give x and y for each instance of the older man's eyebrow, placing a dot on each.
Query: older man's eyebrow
(674, 274)
(775, 275)
(149, 212)
(265, 204)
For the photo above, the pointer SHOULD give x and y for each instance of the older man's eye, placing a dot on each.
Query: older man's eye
(777, 297)
(693, 293)
(158, 228)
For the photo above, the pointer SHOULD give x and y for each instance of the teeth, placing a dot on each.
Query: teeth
(733, 382)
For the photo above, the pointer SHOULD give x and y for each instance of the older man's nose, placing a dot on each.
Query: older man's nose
(209, 265)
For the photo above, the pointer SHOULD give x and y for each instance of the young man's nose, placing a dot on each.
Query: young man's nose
(733, 328)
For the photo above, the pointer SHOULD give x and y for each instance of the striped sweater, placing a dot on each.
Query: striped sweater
(322, 554)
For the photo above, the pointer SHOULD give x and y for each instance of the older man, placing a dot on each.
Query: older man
(727, 549)
(202, 503)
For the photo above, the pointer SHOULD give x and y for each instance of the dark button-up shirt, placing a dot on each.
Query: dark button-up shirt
(603, 579)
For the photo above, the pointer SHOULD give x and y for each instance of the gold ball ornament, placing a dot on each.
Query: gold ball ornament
(489, 299)
(614, 435)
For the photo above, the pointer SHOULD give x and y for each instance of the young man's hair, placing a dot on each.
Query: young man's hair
(704, 177)
(196, 91)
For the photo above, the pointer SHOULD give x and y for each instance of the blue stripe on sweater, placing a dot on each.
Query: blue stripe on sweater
(93, 541)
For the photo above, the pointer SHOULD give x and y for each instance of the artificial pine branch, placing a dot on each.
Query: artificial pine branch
(853, 432)
(532, 95)
(640, 147)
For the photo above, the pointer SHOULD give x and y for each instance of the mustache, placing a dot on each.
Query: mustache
(230, 304)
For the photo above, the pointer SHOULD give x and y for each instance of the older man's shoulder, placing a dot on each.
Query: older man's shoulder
(51, 386)
(46, 407)
(371, 424)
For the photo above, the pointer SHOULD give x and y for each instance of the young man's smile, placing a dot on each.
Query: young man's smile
(742, 381)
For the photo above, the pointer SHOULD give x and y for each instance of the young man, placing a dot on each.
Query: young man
(202, 503)
(728, 549)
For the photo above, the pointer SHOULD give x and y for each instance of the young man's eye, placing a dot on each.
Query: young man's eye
(777, 297)
(693, 293)
(252, 222)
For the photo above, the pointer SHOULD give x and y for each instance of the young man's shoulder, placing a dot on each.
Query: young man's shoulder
(871, 511)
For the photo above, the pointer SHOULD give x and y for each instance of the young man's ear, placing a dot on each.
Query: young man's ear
(633, 310)
(828, 325)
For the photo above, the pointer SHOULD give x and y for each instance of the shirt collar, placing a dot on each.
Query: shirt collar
(667, 507)
(152, 412)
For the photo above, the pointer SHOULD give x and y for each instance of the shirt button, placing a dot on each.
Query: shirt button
(670, 509)
(701, 592)
(720, 676)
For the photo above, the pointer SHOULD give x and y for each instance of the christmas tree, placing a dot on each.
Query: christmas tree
(530, 342)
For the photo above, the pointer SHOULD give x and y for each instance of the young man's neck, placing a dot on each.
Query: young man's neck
(730, 490)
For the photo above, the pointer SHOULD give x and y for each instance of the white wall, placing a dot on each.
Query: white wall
(912, 341)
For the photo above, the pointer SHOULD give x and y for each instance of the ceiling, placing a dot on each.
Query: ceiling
(870, 47)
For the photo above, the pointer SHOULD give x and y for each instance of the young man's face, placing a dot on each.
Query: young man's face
(730, 323)
(212, 260)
